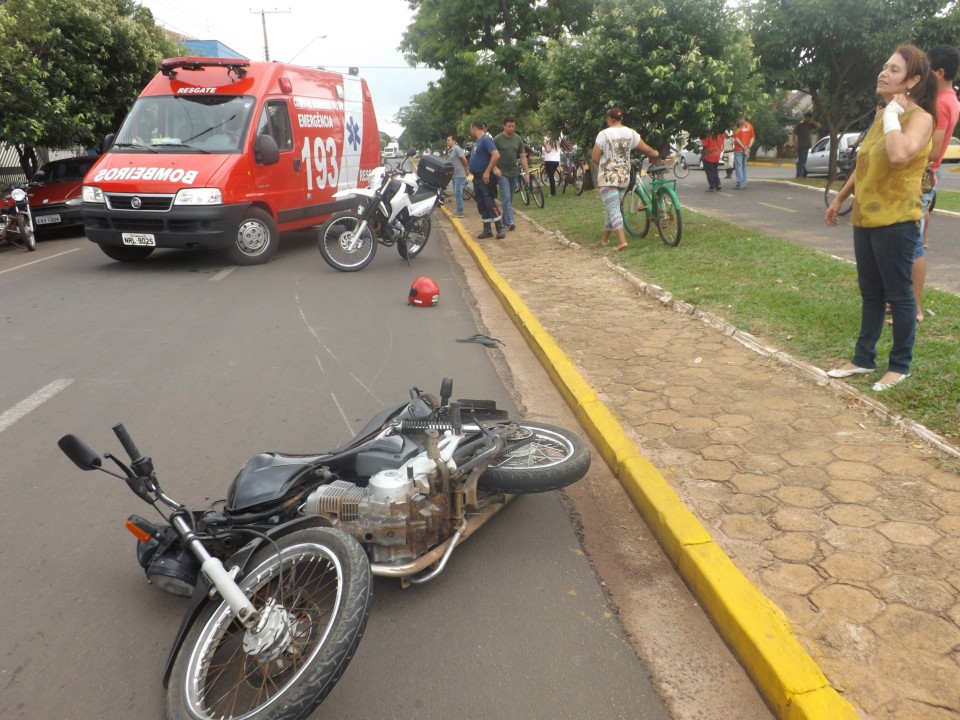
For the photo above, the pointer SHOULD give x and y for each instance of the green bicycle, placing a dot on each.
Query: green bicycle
(656, 201)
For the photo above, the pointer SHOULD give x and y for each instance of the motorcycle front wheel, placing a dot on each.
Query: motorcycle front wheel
(340, 245)
(313, 587)
(26, 234)
(553, 459)
(417, 234)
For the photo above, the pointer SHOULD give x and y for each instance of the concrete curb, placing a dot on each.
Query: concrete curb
(757, 631)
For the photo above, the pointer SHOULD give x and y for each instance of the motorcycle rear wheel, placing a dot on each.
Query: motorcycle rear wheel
(554, 459)
(335, 239)
(321, 579)
(417, 234)
(26, 234)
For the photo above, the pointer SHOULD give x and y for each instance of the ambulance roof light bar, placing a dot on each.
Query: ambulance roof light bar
(236, 66)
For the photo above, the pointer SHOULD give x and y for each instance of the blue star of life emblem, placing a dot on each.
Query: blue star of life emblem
(353, 133)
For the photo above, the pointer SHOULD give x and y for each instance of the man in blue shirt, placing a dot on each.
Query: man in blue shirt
(483, 159)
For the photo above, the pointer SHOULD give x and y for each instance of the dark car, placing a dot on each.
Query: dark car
(55, 193)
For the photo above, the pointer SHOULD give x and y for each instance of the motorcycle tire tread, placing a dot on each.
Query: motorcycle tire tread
(532, 479)
(328, 667)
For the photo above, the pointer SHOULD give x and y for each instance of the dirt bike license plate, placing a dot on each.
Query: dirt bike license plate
(140, 239)
(47, 219)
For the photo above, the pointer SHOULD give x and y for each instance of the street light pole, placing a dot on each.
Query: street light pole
(318, 37)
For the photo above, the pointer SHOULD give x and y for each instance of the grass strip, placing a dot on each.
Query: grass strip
(794, 298)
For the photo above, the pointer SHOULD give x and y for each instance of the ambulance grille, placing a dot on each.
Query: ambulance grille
(149, 203)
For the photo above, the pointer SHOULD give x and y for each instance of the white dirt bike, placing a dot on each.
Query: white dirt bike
(394, 209)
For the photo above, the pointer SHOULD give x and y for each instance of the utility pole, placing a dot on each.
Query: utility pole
(263, 18)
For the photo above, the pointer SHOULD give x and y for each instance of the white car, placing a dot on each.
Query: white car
(818, 161)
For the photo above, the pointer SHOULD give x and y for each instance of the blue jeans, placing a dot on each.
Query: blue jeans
(740, 165)
(508, 186)
(458, 185)
(802, 153)
(885, 275)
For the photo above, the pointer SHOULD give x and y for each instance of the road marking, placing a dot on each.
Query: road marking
(776, 207)
(34, 262)
(24, 407)
(222, 274)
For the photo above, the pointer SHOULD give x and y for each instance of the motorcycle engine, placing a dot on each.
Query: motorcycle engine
(390, 516)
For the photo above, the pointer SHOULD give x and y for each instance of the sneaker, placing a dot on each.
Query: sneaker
(513, 227)
(460, 215)
(486, 234)
(501, 234)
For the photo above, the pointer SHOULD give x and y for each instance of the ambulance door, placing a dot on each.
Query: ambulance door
(278, 184)
(352, 131)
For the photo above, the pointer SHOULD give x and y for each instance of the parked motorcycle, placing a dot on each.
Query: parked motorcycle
(280, 571)
(394, 209)
(16, 220)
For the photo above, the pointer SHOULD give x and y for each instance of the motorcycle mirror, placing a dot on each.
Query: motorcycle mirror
(78, 451)
(411, 152)
(446, 390)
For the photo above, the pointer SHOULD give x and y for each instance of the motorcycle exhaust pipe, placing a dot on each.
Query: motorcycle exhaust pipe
(441, 553)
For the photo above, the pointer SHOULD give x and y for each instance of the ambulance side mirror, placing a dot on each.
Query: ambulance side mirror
(107, 142)
(265, 150)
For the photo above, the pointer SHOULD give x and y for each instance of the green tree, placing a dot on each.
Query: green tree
(834, 49)
(505, 38)
(70, 69)
(687, 67)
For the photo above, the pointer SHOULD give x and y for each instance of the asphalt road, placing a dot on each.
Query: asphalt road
(207, 365)
(795, 212)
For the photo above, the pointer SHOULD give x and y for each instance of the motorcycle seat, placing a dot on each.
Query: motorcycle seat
(267, 477)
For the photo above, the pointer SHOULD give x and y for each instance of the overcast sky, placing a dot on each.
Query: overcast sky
(362, 33)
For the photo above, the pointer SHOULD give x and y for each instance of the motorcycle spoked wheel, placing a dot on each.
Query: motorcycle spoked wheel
(27, 235)
(416, 236)
(321, 580)
(554, 459)
(336, 238)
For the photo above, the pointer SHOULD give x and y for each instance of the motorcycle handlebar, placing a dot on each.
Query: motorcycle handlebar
(124, 437)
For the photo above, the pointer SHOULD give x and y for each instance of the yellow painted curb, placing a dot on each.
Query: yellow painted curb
(756, 629)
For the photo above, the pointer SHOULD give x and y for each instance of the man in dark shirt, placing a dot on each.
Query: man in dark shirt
(803, 136)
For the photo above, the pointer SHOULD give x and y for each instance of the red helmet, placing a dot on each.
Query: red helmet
(424, 292)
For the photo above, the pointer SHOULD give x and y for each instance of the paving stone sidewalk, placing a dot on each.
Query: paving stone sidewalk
(849, 524)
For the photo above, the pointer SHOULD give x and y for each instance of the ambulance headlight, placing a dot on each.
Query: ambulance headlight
(199, 196)
(92, 194)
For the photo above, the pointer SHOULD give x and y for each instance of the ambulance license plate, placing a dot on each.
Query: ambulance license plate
(47, 219)
(140, 239)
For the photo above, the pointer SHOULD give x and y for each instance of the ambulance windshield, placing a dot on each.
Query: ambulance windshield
(186, 123)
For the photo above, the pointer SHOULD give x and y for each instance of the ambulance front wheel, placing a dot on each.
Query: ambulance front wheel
(257, 239)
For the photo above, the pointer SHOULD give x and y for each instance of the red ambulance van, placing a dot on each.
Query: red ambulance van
(227, 153)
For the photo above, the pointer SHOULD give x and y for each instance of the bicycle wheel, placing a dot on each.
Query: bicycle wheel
(834, 185)
(636, 220)
(536, 189)
(565, 179)
(578, 180)
(667, 217)
(468, 191)
(524, 190)
(681, 169)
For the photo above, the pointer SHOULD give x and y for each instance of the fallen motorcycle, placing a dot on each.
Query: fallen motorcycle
(16, 220)
(280, 571)
(394, 209)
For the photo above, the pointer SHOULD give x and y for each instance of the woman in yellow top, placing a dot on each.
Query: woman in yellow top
(886, 212)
